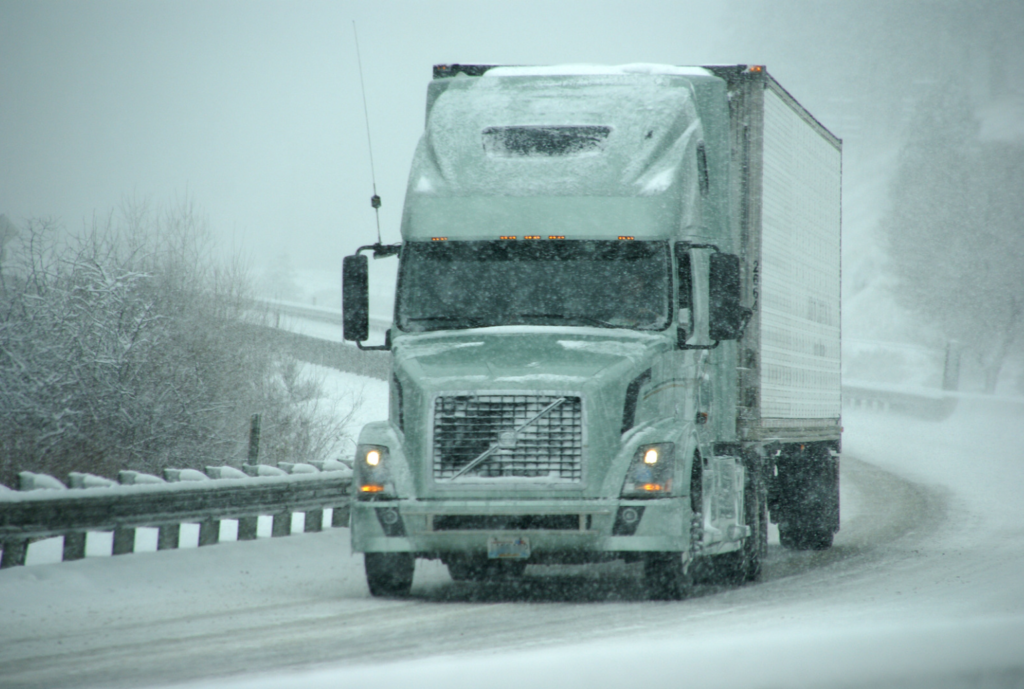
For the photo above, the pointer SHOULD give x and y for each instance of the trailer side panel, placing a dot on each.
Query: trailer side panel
(800, 231)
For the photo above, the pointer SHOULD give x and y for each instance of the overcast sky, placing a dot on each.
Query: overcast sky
(253, 109)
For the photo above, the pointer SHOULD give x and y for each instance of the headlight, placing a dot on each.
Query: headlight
(651, 471)
(373, 480)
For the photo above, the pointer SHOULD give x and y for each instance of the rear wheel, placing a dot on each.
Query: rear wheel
(389, 575)
(795, 538)
(666, 576)
(805, 500)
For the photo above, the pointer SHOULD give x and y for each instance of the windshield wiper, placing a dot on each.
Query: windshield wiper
(469, 321)
(563, 317)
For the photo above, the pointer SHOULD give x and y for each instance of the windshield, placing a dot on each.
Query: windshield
(614, 284)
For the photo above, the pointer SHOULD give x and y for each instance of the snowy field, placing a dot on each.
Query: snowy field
(923, 589)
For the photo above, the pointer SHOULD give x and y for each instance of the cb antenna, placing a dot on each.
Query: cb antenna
(374, 200)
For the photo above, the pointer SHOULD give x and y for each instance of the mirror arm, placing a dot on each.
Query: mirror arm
(381, 250)
(748, 314)
(713, 345)
(386, 347)
(688, 245)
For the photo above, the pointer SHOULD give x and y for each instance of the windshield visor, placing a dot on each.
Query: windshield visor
(612, 284)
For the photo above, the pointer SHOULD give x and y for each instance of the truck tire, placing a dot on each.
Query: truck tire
(806, 497)
(666, 577)
(389, 575)
(795, 538)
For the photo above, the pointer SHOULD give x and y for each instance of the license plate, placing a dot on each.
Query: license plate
(508, 548)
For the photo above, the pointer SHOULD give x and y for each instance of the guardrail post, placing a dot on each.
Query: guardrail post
(209, 532)
(247, 528)
(314, 521)
(74, 545)
(14, 553)
(254, 439)
(282, 524)
(339, 517)
(124, 541)
(167, 537)
(951, 368)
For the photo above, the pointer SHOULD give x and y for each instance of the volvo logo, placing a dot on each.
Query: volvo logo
(507, 440)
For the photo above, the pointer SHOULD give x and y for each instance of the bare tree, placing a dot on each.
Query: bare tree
(956, 231)
(127, 346)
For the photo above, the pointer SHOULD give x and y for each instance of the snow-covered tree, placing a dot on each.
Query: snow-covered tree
(127, 347)
(956, 230)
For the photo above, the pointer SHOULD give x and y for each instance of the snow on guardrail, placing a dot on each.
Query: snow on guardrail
(44, 506)
(314, 334)
(279, 309)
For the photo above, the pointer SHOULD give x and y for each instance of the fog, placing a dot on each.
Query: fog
(253, 109)
(250, 113)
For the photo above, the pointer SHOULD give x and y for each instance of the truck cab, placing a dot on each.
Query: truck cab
(564, 342)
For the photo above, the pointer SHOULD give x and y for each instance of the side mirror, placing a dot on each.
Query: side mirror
(355, 299)
(727, 316)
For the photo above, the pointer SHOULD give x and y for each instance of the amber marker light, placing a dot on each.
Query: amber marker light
(531, 236)
(757, 68)
(626, 238)
(556, 236)
(372, 488)
(504, 236)
(439, 239)
(653, 487)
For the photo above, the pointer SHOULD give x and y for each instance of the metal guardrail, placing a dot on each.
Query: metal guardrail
(334, 353)
(316, 313)
(373, 364)
(44, 507)
(928, 403)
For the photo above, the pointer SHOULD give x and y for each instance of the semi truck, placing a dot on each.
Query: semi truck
(616, 329)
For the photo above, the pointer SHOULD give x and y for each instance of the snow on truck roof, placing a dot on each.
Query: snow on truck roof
(598, 70)
(504, 151)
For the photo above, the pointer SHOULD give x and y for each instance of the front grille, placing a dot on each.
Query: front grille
(501, 522)
(466, 426)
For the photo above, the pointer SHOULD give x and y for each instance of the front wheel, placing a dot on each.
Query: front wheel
(389, 575)
(666, 576)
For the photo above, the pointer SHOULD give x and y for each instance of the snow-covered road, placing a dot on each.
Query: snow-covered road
(925, 587)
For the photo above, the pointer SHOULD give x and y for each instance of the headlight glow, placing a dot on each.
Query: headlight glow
(372, 473)
(651, 472)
